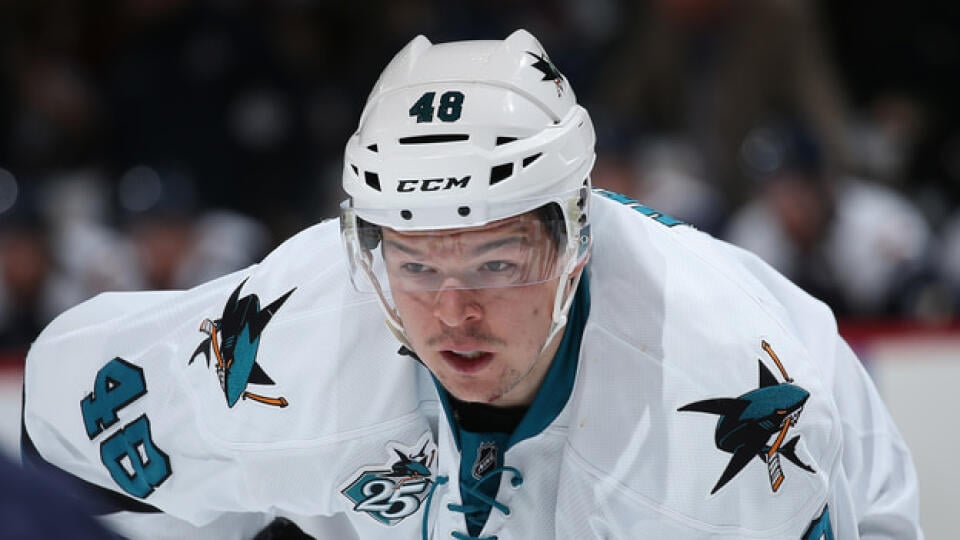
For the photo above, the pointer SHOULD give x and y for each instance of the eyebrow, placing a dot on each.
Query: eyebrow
(477, 251)
(403, 247)
(498, 243)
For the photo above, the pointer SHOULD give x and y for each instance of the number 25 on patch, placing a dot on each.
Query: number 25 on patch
(129, 453)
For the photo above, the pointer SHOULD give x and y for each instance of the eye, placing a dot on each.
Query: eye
(415, 268)
(498, 266)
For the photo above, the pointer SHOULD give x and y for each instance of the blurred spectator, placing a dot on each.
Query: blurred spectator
(911, 53)
(177, 251)
(26, 269)
(884, 136)
(666, 174)
(217, 93)
(179, 244)
(92, 256)
(51, 115)
(34, 283)
(57, 249)
(711, 70)
(105, 107)
(948, 261)
(856, 244)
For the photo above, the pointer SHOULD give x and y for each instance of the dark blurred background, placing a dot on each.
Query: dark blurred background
(160, 143)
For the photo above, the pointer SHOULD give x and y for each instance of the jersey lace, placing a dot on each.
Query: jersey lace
(474, 514)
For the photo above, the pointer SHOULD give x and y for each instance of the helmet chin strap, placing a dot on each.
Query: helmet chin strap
(391, 316)
(566, 291)
(397, 329)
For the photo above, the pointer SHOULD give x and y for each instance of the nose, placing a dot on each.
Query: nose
(454, 307)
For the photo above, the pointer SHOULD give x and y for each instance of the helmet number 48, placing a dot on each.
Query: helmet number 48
(448, 108)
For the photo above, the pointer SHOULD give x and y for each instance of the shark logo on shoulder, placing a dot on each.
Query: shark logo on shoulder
(748, 422)
(234, 339)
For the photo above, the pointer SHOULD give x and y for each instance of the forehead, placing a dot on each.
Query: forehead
(526, 226)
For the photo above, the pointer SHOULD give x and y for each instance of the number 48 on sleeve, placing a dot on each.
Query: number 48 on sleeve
(129, 453)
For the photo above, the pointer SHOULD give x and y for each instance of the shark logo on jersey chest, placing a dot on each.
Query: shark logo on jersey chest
(390, 492)
(234, 340)
(755, 424)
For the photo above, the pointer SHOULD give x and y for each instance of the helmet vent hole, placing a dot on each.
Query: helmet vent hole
(464, 211)
(406, 214)
(434, 139)
(500, 173)
(373, 148)
(505, 140)
(372, 179)
(356, 171)
(530, 159)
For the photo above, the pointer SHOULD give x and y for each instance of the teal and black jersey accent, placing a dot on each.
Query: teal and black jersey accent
(481, 466)
(655, 215)
(482, 453)
(820, 528)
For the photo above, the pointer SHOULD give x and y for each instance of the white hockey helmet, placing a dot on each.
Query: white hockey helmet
(462, 134)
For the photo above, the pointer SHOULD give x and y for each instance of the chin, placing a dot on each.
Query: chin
(472, 395)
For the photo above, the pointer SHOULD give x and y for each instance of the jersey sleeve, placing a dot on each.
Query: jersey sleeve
(144, 398)
(878, 483)
(115, 417)
(877, 464)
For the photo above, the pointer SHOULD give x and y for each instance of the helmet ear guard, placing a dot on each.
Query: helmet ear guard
(461, 135)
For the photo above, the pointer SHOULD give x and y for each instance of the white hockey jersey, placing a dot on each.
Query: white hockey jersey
(708, 397)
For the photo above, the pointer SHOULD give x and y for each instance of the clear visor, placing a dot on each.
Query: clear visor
(522, 250)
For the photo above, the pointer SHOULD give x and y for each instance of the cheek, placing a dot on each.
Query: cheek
(411, 310)
(527, 308)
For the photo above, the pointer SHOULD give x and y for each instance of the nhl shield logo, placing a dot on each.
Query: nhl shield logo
(486, 460)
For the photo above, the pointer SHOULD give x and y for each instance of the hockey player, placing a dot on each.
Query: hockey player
(557, 362)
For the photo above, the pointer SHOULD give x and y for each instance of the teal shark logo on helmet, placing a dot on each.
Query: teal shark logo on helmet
(549, 70)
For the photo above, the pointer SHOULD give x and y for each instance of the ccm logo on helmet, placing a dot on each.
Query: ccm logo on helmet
(432, 184)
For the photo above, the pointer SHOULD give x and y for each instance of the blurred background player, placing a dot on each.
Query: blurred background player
(819, 228)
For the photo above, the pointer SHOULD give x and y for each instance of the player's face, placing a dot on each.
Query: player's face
(483, 344)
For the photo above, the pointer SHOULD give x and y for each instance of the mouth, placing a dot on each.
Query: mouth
(467, 362)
